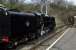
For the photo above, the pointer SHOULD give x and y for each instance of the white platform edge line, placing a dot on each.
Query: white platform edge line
(58, 39)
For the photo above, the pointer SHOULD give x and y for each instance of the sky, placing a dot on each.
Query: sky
(28, 1)
(74, 1)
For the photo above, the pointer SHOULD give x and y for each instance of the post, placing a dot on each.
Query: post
(44, 5)
(46, 8)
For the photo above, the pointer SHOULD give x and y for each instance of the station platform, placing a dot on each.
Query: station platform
(67, 42)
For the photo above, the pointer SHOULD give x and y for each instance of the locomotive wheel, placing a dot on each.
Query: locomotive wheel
(41, 33)
(31, 36)
(12, 45)
(46, 29)
(37, 35)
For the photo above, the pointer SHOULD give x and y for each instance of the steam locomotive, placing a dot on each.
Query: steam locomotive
(16, 27)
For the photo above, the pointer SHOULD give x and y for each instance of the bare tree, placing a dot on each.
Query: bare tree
(1, 1)
(13, 1)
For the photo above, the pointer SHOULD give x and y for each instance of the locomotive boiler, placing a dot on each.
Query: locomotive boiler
(16, 27)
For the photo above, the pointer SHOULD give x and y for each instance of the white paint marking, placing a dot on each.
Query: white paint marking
(58, 39)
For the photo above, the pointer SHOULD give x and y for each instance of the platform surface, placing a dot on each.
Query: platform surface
(67, 42)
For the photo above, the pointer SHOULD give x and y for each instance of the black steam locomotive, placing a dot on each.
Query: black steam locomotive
(16, 27)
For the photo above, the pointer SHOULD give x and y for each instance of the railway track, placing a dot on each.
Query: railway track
(43, 42)
(48, 41)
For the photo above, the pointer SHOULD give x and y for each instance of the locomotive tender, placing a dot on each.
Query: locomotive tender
(16, 27)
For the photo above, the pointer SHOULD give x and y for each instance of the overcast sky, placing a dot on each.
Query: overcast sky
(74, 1)
(28, 1)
